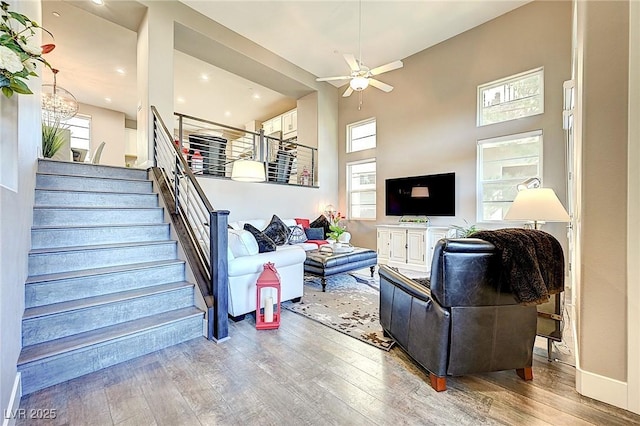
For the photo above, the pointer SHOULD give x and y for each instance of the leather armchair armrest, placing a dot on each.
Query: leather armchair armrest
(405, 284)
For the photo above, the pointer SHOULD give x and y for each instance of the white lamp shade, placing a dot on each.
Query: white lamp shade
(248, 171)
(537, 204)
(420, 192)
(359, 83)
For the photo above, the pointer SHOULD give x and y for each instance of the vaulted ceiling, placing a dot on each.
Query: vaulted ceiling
(97, 57)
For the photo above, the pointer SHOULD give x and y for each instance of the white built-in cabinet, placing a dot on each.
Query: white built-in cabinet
(287, 123)
(290, 124)
(408, 246)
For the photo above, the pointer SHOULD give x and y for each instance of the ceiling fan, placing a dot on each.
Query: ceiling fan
(361, 76)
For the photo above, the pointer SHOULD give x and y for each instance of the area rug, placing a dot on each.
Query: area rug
(350, 305)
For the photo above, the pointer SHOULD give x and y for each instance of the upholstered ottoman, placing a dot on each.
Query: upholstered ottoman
(325, 263)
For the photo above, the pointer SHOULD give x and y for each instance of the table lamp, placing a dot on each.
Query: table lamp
(537, 205)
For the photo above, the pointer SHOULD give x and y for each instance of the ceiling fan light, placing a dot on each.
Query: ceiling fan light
(359, 83)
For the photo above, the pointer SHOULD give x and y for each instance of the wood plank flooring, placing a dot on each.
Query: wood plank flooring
(306, 373)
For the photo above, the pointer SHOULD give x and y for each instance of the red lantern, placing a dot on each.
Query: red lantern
(269, 278)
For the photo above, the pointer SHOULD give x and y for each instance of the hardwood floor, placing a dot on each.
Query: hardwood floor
(306, 373)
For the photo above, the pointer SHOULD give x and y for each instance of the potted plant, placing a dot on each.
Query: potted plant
(465, 231)
(53, 137)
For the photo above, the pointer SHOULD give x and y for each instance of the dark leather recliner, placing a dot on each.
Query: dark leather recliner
(464, 324)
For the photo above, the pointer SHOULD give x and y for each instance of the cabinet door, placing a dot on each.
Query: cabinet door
(267, 126)
(398, 246)
(383, 244)
(289, 124)
(433, 236)
(277, 123)
(416, 247)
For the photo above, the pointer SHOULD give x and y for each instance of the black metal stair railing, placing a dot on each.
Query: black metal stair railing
(211, 149)
(201, 229)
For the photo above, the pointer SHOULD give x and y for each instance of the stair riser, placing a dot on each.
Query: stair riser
(79, 217)
(44, 293)
(94, 199)
(52, 327)
(69, 168)
(74, 237)
(77, 260)
(75, 183)
(48, 372)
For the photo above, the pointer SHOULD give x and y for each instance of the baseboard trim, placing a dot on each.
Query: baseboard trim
(602, 388)
(10, 413)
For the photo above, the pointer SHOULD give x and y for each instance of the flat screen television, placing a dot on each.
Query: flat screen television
(430, 195)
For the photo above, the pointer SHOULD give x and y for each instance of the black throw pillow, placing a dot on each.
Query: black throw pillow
(321, 222)
(265, 244)
(277, 231)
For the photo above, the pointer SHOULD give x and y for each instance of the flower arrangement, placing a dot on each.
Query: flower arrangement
(336, 229)
(18, 51)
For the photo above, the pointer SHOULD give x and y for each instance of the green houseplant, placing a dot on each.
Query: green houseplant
(465, 231)
(53, 137)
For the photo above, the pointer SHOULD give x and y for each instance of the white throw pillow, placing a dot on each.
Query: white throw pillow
(242, 243)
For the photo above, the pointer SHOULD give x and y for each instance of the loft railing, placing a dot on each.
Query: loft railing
(201, 228)
(211, 148)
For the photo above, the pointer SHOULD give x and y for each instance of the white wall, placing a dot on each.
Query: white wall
(166, 24)
(106, 125)
(427, 124)
(16, 216)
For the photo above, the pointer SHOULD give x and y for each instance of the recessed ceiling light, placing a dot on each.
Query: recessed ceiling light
(107, 100)
(120, 71)
(227, 113)
(180, 100)
(204, 77)
(56, 14)
(98, 2)
(256, 96)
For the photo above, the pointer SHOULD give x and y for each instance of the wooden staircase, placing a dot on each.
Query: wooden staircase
(105, 284)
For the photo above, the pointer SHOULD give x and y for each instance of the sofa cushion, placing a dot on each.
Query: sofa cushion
(277, 231)
(284, 256)
(314, 233)
(297, 235)
(242, 243)
(303, 222)
(321, 222)
(265, 244)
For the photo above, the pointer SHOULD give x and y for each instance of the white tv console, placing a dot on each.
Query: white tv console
(408, 245)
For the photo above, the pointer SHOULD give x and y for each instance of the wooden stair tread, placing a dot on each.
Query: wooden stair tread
(52, 348)
(34, 279)
(88, 302)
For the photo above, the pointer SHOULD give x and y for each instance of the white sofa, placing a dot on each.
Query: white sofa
(246, 265)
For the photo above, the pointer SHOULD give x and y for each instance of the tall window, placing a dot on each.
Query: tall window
(80, 127)
(503, 163)
(517, 96)
(361, 135)
(361, 189)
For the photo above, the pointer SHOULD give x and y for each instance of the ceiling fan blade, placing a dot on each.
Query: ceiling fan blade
(347, 92)
(351, 60)
(387, 67)
(339, 77)
(380, 85)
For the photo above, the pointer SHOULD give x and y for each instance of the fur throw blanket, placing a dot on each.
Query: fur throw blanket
(532, 263)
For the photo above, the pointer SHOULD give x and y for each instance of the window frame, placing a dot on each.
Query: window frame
(89, 119)
(480, 169)
(502, 81)
(349, 145)
(350, 191)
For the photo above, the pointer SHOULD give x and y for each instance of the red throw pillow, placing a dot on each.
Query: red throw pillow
(303, 222)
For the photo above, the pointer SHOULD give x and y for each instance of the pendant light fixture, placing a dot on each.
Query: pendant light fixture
(57, 103)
